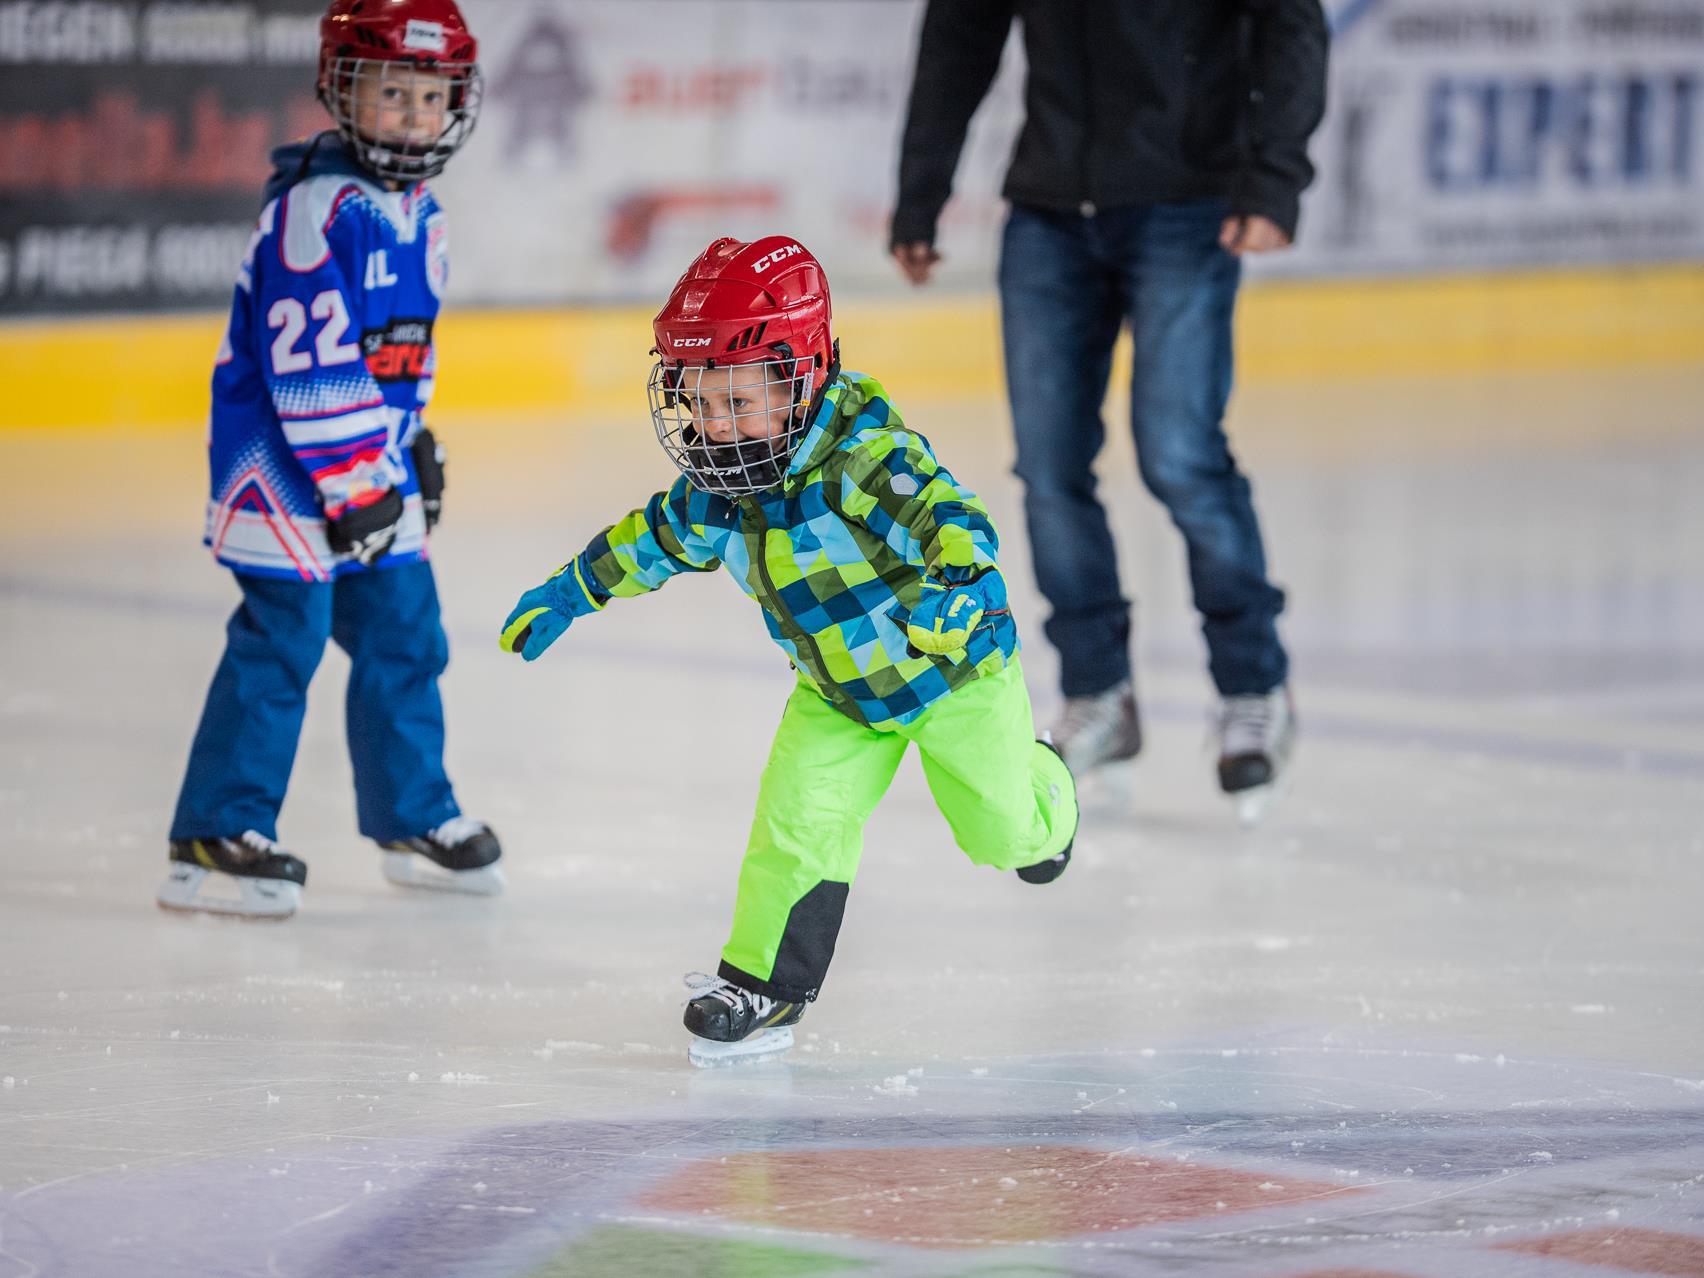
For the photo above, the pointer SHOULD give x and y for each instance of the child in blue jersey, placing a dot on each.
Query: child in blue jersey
(326, 483)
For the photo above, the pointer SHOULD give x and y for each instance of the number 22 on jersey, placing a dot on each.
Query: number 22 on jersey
(291, 319)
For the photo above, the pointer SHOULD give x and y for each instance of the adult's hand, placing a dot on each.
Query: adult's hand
(1251, 233)
(917, 260)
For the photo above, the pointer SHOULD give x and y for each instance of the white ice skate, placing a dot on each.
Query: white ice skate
(460, 855)
(1096, 730)
(249, 876)
(1256, 736)
(733, 1026)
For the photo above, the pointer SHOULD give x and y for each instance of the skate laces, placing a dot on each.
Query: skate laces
(700, 984)
(1246, 723)
(458, 829)
(255, 841)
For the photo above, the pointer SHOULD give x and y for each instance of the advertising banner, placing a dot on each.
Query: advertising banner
(625, 136)
(619, 136)
(1511, 133)
(133, 144)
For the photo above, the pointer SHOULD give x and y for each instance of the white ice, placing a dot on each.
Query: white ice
(1444, 1001)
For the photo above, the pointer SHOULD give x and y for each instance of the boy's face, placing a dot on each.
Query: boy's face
(397, 104)
(745, 401)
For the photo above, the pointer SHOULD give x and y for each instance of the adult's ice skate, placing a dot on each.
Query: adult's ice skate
(1099, 729)
(1256, 735)
(731, 1025)
(247, 875)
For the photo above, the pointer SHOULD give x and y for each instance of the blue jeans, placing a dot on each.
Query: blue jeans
(1068, 282)
(388, 623)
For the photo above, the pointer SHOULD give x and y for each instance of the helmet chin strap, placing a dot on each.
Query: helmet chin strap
(745, 459)
(395, 164)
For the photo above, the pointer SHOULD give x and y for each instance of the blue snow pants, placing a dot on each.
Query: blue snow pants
(387, 621)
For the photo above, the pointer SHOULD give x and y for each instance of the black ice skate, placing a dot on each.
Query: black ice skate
(1050, 869)
(1045, 871)
(730, 1024)
(460, 855)
(1256, 734)
(246, 875)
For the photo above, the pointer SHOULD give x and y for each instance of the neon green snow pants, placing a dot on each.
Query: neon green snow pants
(1009, 800)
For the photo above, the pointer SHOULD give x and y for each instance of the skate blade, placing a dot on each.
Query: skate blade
(1255, 804)
(1107, 787)
(193, 890)
(708, 1054)
(411, 870)
(1252, 805)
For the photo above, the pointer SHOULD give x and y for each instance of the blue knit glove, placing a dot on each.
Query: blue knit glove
(944, 617)
(545, 612)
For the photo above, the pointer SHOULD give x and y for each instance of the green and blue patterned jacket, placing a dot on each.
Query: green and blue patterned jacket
(836, 555)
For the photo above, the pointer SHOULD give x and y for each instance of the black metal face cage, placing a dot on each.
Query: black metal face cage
(402, 162)
(693, 403)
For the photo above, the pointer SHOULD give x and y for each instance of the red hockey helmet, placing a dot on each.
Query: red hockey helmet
(369, 50)
(745, 350)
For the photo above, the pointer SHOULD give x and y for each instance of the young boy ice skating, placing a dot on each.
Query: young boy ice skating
(325, 482)
(876, 573)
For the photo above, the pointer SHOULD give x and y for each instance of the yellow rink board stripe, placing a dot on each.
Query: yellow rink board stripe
(151, 372)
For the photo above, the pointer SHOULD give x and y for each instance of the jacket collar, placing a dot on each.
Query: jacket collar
(841, 404)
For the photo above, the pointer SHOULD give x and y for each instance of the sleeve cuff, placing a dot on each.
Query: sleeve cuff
(912, 226)
(581, 592)
(1281, 207)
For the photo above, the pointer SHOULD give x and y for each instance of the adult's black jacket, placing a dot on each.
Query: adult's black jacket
(1127, 102)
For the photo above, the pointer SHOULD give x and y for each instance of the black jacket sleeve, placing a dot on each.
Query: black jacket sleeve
(957, 57)
(1287, 58)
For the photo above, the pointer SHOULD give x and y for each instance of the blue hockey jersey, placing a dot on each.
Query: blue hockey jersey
(326, 366)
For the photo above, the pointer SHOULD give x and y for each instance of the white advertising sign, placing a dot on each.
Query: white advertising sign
(620, 136)
(1516, 133)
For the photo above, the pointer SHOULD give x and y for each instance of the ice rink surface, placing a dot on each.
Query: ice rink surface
(1442, 1015)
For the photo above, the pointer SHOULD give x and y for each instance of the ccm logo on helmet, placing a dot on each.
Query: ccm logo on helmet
(682, 342)
(425, 36)
(772, 259)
